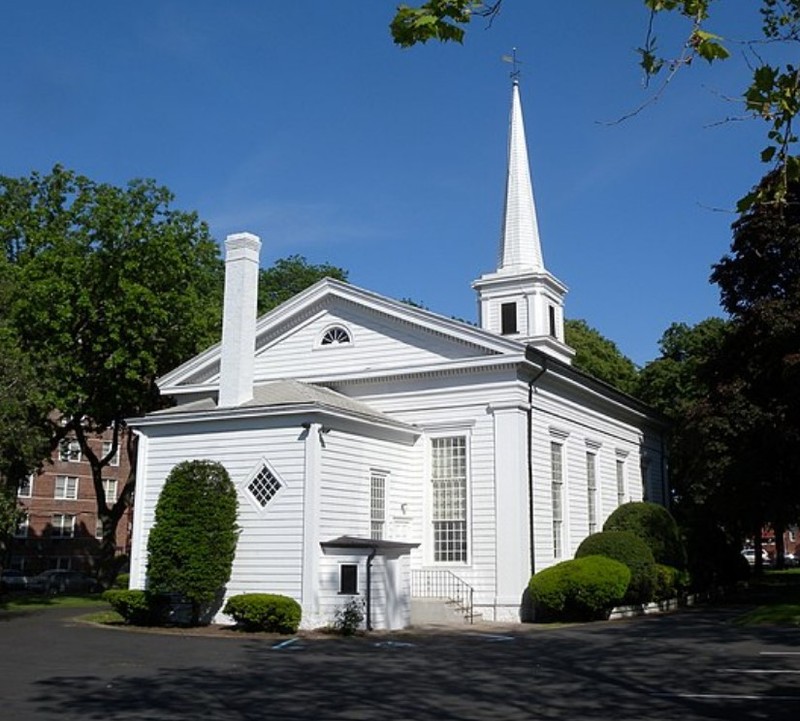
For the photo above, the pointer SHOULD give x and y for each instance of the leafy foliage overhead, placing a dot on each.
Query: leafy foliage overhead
(773, 93)
(599, 357)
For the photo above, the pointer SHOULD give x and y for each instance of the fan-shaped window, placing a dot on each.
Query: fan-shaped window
(335, 335)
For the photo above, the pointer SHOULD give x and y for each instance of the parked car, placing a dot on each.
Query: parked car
(61, 581)
(750, 555)
(13, 580)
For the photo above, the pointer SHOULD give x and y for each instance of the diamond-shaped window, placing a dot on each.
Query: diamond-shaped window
(263, 487)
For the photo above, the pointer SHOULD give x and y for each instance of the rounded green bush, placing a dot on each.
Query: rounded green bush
(583, 589)
(655, 526)
(192, 543)
(133, 605)
(629, 549)
(269, 612)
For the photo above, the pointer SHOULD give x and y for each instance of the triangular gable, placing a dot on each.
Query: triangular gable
(385, 334)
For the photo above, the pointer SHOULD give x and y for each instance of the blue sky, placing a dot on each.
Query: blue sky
(301, 121)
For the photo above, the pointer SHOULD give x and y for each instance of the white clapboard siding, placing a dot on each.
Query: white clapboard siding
(376, 342)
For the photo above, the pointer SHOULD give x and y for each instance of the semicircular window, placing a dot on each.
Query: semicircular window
(336, 335)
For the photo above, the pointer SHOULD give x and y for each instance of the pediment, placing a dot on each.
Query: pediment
(334, 328)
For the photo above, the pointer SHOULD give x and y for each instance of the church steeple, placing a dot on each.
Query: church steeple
(520, 247)
(521, 298)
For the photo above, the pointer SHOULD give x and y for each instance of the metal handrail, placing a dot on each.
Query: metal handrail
(442, 583)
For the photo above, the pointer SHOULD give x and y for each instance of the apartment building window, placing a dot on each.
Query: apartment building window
(69, 451)
(591, 490)
(449, 482)
(98, 529)
(26, 487)
(110, 490)
(66, 488)
(23, 527)
(107, 445)
(377, 504)
(63, 525)
(557, 488)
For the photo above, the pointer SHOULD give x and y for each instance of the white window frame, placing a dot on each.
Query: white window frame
(557, 494)
(23, 527)
(107, 449)
(69, 451)
(26, 485)
(378, 495)
(337, 332)
(65, 527)
(622, 487)
(108, 485)
(591, 490)
(452, 551)
(67, 484)
(254, 501)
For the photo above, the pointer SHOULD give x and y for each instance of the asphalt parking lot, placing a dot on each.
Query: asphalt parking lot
(690, 665)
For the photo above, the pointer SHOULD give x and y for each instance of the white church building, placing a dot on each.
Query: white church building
(382, 452)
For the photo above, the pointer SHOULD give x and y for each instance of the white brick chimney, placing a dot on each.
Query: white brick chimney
(239, 319)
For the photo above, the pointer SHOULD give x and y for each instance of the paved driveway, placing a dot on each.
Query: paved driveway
(692, 665)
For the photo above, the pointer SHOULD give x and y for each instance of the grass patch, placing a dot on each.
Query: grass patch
(33, 602)
(106, 618)
(777, 598)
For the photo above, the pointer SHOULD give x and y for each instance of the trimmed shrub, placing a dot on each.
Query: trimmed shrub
(583, 589)
(133, 605)
(264, 612)
(655, 526)
(193, 540)
(629, 549)
(122, 581)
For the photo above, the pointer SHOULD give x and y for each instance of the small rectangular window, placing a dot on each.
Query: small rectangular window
(26, 487)
(348, 579)
(69, 451)
(66, 488)
(552, 310)
(508, 318)
(107, 446)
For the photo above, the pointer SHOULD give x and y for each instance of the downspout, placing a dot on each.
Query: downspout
(665, 474)
(529, 414)
(369, 588)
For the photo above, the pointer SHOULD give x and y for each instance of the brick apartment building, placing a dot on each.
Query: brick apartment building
(61, 528)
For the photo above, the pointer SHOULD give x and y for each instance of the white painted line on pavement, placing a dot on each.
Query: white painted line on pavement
(779, 653)
(728, 696)
(285, 644)
(757, 670)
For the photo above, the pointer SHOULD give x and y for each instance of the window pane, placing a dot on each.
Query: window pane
(449, 471)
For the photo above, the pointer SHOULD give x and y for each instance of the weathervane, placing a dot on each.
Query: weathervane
(515, 71)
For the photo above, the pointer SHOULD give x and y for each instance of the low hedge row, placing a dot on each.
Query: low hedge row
(583, 589)
(135, 606)
(264, 612)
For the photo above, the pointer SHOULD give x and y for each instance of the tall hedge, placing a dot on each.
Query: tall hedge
(655, 526)
(630, 550)
(193, 540)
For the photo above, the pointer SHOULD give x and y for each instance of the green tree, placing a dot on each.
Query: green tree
(192, 543)
(600, 357)
(23, 431)
(759, 280)
(773, 93)
(113, 289)
(288, 276)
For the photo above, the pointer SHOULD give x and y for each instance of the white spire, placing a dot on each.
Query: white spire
(520, 248)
